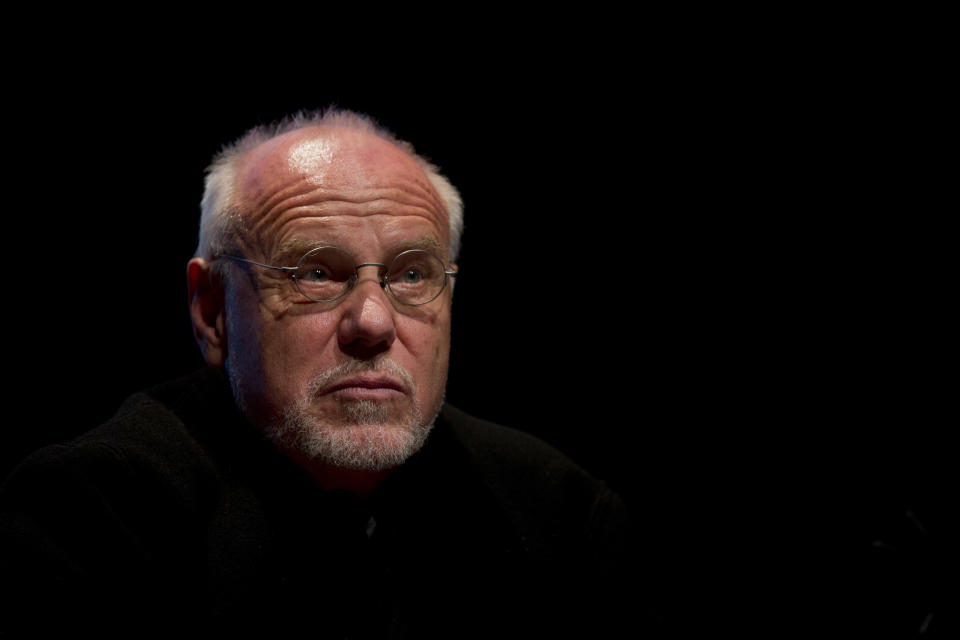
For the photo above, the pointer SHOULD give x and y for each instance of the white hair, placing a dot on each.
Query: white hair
(221, 218)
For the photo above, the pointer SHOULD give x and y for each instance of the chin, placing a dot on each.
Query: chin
(363, 435)
(343, 430)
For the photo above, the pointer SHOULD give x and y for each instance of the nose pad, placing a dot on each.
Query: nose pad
(358, 286)
(381, 277)
(355, 285)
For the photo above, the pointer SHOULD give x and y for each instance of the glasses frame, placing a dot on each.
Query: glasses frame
(384, 279)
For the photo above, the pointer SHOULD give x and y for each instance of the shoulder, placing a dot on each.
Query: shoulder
(115, 513)
(576, 534)
(511, 450)
(534, 481)
(145, 479)
(150, 443)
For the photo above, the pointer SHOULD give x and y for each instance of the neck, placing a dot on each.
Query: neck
(356, 481)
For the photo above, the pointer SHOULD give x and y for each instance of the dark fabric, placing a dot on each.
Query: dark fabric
(177, 517)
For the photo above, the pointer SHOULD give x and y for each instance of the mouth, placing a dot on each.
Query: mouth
(372, 386)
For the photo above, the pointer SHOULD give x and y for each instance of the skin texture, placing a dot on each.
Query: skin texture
(325, 186)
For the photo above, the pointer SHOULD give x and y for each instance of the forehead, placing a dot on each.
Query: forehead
(323, 156)
(325, 173)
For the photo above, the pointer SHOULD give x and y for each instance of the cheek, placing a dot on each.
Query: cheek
(298, 344)
(426, 341)
(429, 345)
(282, 355)
(245, 332)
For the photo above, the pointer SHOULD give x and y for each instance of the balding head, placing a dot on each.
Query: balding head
(224, 218)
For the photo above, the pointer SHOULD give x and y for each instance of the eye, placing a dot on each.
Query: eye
(410, 276)
(416, 277)
(316, 275)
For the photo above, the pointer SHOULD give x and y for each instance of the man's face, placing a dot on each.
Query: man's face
(356, 382)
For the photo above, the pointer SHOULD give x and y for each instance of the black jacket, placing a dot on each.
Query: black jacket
(176, 517)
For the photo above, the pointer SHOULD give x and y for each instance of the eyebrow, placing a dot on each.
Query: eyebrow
(425, 243)
(290, 251)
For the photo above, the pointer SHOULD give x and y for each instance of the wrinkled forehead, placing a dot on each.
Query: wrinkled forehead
(333, 176)
(326, 158)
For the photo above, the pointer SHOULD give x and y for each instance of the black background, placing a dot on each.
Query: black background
(713, 280)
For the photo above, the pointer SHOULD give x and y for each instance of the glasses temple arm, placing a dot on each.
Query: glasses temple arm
(260, 264)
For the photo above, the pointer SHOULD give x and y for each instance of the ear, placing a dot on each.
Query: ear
(207, 312)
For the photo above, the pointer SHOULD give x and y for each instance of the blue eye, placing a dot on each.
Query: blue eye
(324, 273)
(315, 275)
(411, 276)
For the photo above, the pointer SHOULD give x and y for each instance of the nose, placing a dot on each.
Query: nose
(367, 325)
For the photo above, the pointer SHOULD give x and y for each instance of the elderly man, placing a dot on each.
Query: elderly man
(311, 479)
(322, 286)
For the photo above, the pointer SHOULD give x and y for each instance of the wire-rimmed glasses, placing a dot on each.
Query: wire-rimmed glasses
(324, 274)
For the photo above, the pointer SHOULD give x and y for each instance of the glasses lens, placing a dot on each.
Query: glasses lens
(324, 274)
(416, 277)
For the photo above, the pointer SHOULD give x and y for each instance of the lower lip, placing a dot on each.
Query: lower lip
(366, 393)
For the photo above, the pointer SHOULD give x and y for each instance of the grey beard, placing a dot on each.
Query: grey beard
(362, 437)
